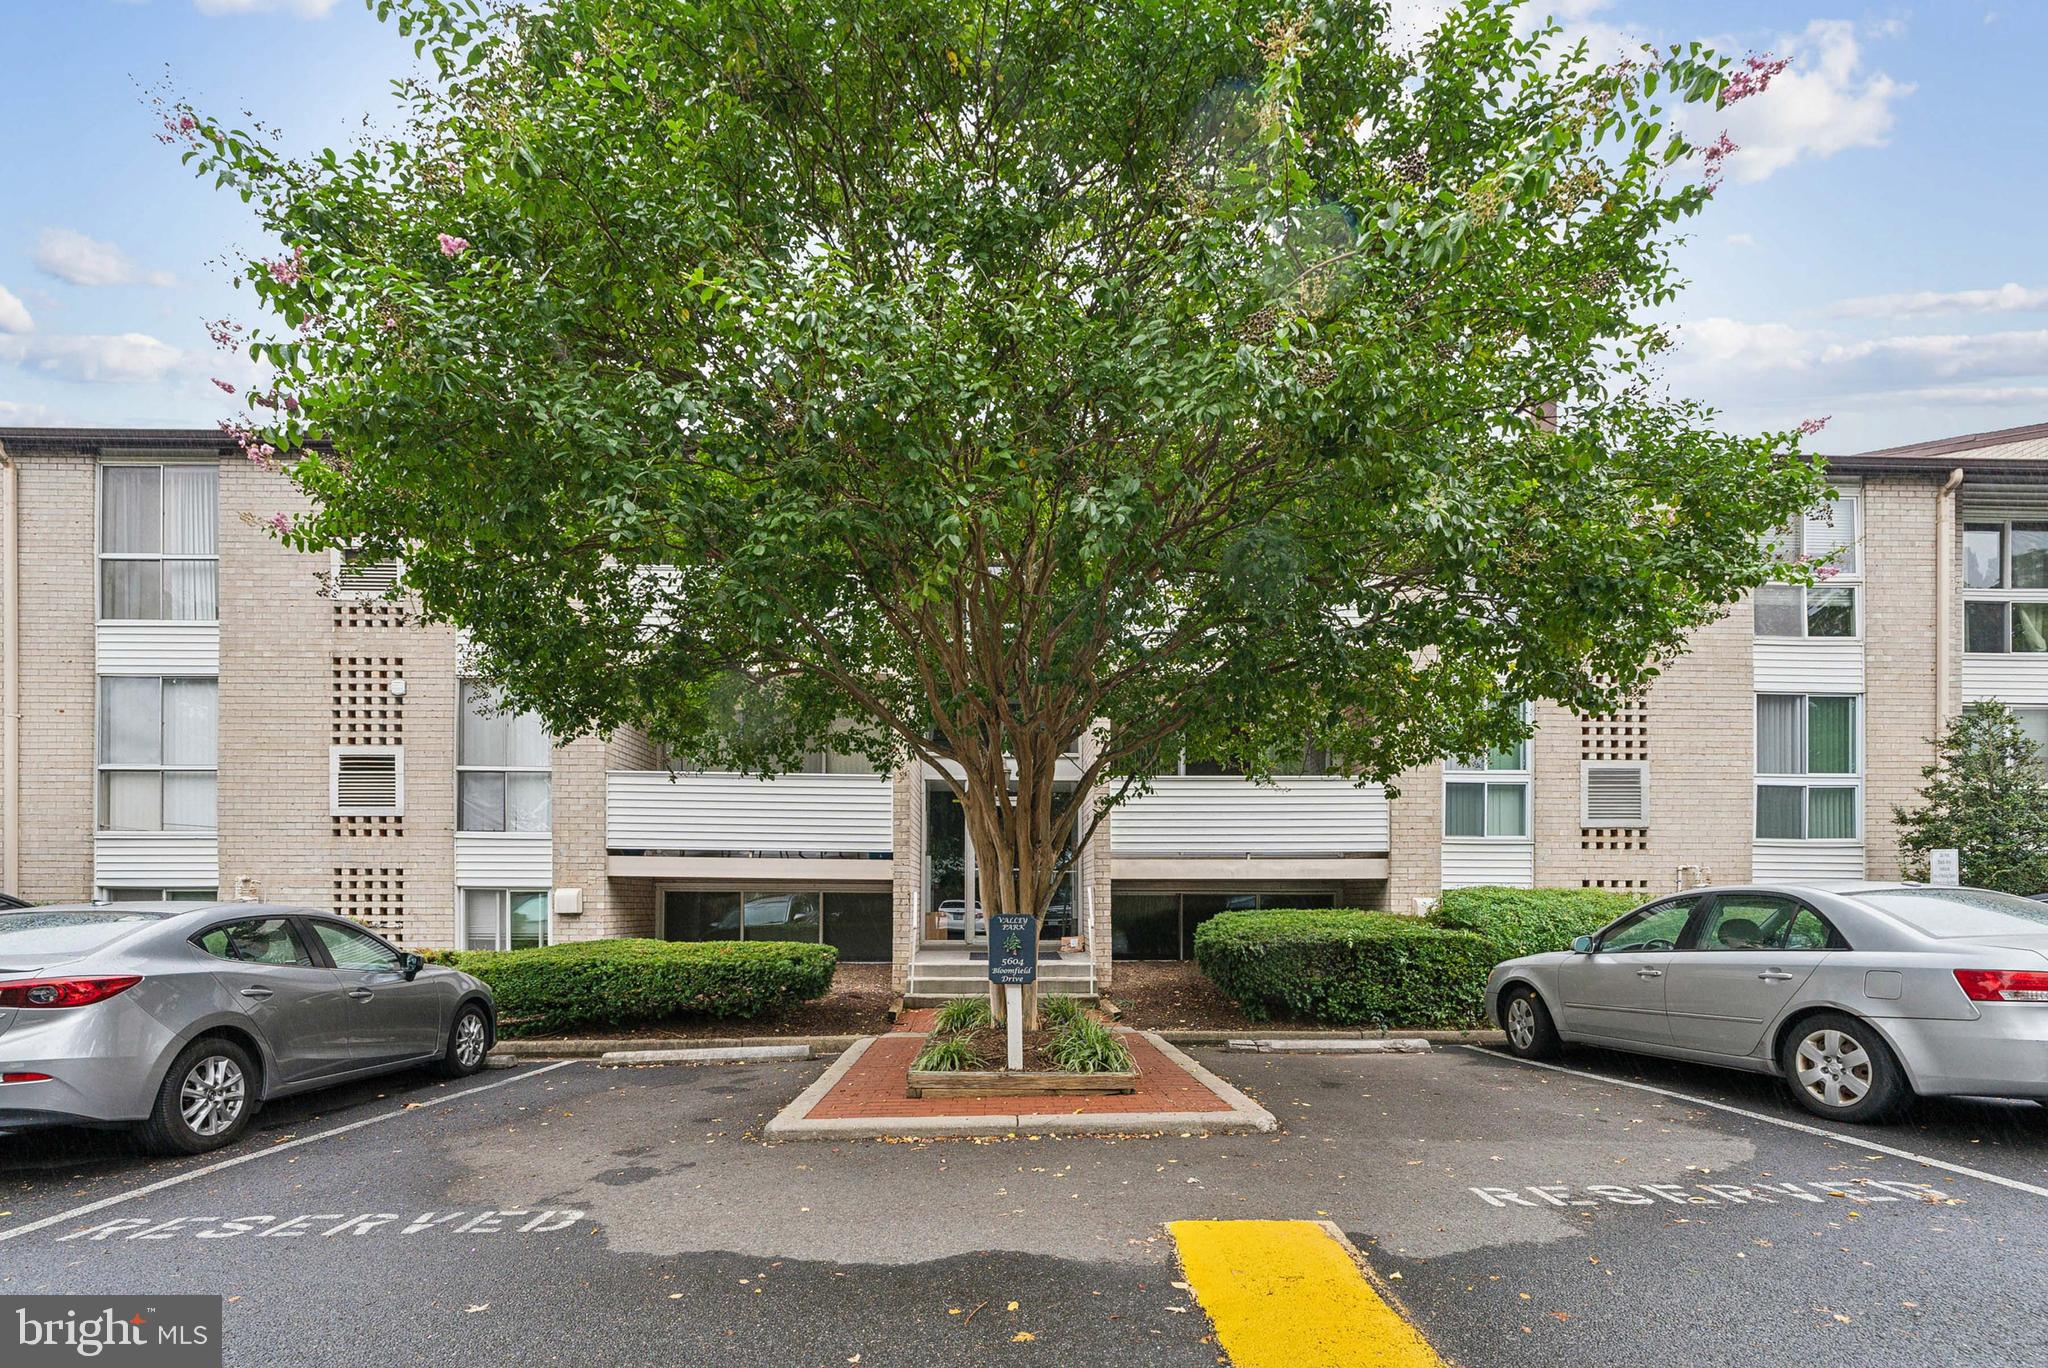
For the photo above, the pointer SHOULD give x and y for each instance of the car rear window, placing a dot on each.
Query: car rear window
(1961, 911)
(44, 933)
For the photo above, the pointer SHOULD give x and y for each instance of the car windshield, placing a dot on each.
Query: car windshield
(1949, 912)
(44, 933)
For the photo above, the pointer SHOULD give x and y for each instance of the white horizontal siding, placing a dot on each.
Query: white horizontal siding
(504, 859)
(1795, 860)
(1511, 864)
(158, 648)
(649, 810)
(2016, 678)
(1791, 665)
(156, 859)
(1222, 815)
(1993, 502)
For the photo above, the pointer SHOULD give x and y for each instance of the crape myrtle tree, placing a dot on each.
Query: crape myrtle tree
(948, 379)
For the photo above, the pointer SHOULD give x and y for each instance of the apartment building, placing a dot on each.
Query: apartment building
(192, 710)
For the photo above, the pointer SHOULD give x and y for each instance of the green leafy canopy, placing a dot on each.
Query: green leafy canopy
(950, 378)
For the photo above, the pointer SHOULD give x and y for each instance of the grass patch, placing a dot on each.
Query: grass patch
(964, 1014)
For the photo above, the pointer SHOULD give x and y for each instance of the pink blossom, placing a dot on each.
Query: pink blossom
(286, 270)
(252, 444)
(186, 123)
(1826, 572)
(1809, 426)
(223, 334)
(453, 246)
(1715, 155)
(279, 523)
(1753, 78)
(223, 386)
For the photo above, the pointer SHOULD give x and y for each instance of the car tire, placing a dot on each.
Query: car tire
(469, 1042)
(209, 1096)
(1530, 1031)
(1838, 1067)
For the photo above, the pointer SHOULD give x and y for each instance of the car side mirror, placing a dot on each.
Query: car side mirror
(1582, 945)
(410, 965)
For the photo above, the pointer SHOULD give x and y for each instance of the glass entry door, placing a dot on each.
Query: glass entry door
(952, 907)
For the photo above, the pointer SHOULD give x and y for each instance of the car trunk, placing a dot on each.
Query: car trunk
(2027, 942)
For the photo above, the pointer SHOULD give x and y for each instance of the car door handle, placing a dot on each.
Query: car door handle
(258, 993)
(1649, 973)
(361, 994)
(1775, 976)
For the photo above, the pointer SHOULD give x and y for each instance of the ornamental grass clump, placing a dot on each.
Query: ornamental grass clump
(1085, 1045)
(964, 1014)
(947, 1054)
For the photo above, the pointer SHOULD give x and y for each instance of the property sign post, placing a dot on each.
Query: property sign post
(1944, 868)
(1013, 962)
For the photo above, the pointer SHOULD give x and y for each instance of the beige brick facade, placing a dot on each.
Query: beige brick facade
(300, 671)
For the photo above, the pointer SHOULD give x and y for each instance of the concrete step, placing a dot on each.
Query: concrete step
(951, 986)
(941, 999)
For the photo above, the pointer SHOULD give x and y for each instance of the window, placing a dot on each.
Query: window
(501, 766)
(2005, 587)
(193, 895)
(1309, 760)
(1162, 925)
(351, 947)
(1827, 537)
(1488, 796)
(1800, 738)
(856, 924)
(2034, 722)
(503, 919)
(1761, 921)
(156, 753)
(258, 940)
(1656, 927)
(160, 543)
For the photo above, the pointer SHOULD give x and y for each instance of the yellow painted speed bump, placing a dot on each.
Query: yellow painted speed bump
(1291, 1294)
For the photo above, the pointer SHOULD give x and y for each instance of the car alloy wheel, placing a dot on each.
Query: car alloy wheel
(469, 1039)
(1522, 1022)
(1834, 1068)
(213, 1095)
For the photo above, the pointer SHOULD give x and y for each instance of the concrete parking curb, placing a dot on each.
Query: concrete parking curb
(591, 1047)
(706, 1054)
(1208, 1037)
(1404, 1045)
(794, 1122)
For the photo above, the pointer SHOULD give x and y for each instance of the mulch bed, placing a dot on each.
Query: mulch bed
(1174, 995)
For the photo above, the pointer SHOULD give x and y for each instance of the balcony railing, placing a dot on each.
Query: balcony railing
(737, 814)
(1207, 815)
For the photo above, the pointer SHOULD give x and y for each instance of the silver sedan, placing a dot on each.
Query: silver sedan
(183, 1019)
(1859, 996)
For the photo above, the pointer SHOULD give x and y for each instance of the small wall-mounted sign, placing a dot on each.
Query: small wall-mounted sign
(1945, 868)
(1012, 948)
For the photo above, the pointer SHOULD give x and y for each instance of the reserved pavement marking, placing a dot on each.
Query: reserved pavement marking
(523, 1221)
(328, 1134)
(1291, 1294)
(1861, 1191)
(1841, 1137)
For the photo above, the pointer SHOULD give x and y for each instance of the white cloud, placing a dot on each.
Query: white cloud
(1728, 361)
(119, 358)
(27, 415)
(13, 313)
(70, 255)
(1740, 239)
(305, 9)
(1825, 102)
(2010, 297)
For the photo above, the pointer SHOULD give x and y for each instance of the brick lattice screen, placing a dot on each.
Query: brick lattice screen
(364, 712)
(1623, 735)
(373, 895)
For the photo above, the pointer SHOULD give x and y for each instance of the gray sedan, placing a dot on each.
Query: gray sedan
(183, 1019)
(1858, 995)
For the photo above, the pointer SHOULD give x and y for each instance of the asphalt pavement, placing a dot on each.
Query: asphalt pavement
(585, 1215)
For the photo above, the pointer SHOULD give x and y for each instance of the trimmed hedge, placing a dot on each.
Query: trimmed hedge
(632, 982)
(1529, 921)
(1347, 968)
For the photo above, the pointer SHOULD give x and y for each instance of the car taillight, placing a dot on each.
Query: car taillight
(24, 1077)
(70, 992)
(2003, 985)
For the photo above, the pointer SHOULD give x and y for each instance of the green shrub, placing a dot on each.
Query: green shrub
(1057, 1009)
(947, 1053)
(1529, 921)
(1347, 968)
(631, 982)
(964, 1014)
(1085, 1045)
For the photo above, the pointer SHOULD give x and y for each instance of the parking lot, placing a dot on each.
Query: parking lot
(1622, 1211)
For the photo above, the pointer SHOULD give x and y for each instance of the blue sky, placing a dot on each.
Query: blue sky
(1875, 253)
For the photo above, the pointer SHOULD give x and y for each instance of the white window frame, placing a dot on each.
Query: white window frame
(1793, 545)
(1807, 781)
(1586, 768)
(462, 686)
(157, 894)
(504, 897)
(334, 804)
(102, 767)
(335, 559)
(2002, 593)
(1467, 771)
(2018, 709)
(1839, 583)
(101, 555)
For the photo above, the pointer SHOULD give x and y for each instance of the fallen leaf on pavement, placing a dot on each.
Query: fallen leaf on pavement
(480, 1306)
(1022, 1337)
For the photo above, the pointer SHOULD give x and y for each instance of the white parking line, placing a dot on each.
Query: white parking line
(1841, 1137)
(327, 1134)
